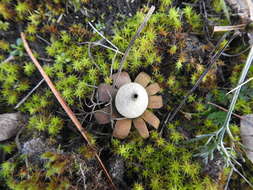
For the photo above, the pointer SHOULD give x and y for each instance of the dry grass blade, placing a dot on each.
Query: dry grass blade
(145, 21)
(29, 94)
(65, 107)
(240, 85)
(224, 109)
(228, 28)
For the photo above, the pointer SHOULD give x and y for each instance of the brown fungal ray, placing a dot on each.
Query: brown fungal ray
(121, 78)
(246, 130)
(143, 79)
(155, 102)
(151, 119)
(141, 126)
(105, 92)
(122, 128)
(103, 116)
(153, 89)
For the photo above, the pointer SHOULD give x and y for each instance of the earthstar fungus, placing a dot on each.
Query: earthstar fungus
(128, 102)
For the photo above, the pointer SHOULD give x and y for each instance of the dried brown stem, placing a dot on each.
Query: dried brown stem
(66, 108)
(224, 109)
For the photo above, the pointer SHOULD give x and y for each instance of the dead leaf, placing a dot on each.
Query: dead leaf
(247, 135)
(9, 125)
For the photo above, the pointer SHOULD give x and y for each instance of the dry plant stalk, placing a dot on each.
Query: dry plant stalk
(66, 107)
(228, 28)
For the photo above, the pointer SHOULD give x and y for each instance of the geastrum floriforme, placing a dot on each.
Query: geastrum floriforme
(129, 102)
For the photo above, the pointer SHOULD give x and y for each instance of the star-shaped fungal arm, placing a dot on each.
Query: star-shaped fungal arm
(130, 103)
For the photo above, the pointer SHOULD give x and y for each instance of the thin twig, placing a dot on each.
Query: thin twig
(229, 177)
(11, 57)
(84, 177)
(210, 65)
(99, 44)
(240, 85)
(226, 110)
(141, 27)
(17, 138)
(131, 43)
(29, 94)
(115, 47)
(237, 54)
(42, 39)
(67, 109)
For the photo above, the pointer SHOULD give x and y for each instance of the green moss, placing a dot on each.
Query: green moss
(161, 164)
(7, 169)
(192, 18)
(4, 25)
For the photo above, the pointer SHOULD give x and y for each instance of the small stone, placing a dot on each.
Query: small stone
(117, 168)
(34, 146)
(10, 123)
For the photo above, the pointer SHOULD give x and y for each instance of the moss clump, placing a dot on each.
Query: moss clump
(162, 164)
